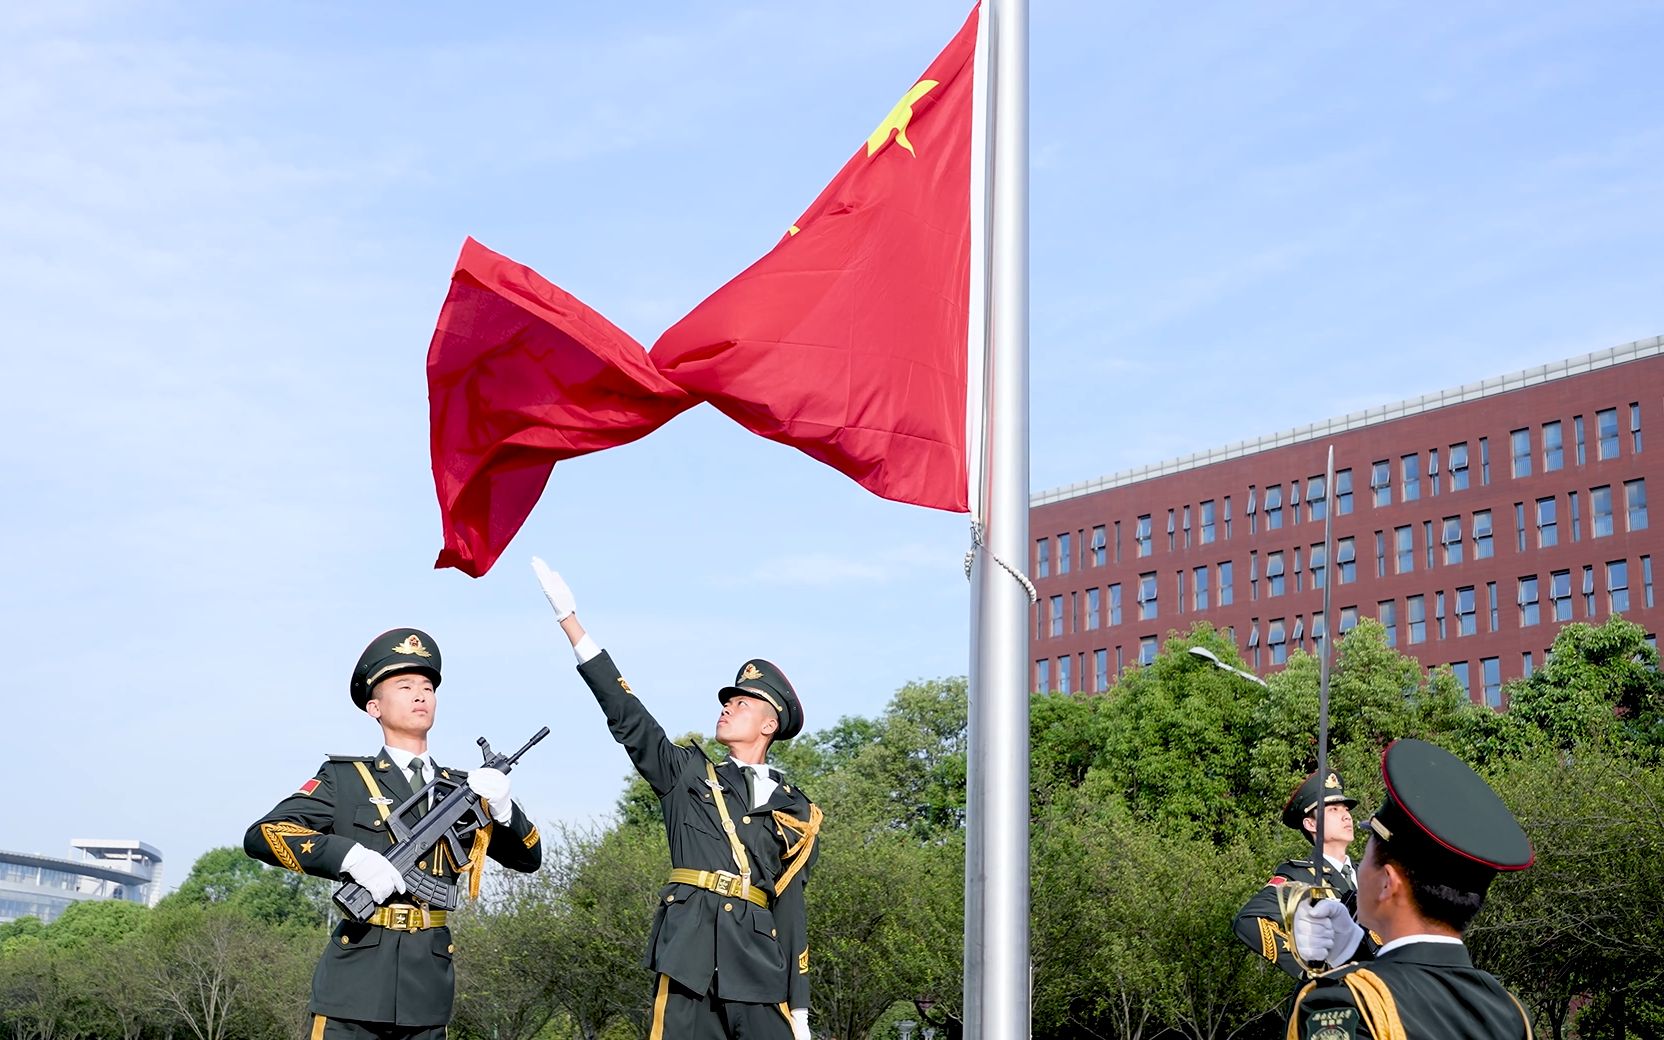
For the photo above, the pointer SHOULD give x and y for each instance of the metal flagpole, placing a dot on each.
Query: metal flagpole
(1323, 666)
(997, 996)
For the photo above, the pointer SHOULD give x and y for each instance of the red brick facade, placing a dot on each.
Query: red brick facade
(1574, 533)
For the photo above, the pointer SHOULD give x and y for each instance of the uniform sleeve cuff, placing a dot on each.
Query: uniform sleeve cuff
(586, 649)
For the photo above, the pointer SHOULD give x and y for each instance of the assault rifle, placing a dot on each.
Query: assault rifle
(452, 821)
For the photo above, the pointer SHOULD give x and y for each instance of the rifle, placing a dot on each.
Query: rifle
(415, 834)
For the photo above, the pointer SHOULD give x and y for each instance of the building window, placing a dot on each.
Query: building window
(1554, 452)
(1171, 529)
(1185, 523)
(1115, 604)
(1043, 558)
(1317, 498)
(1100, 547)
(1588, 590)
(1548, 529)
(1646, 581)
(1200, 584)
(1206, 510)
(1346, 561)
(1491, 669)
(1576, 513)
(1415, 618)
(1600, 510)
(1438, 599)
(1227, 516)
(1528, 602)
(1560, 594)
(1094, 607)
(1319, 563)
(1635, 429)
(1343, 492)
(1274, 507)
(1064, 554)
(1274, 573)
(1380, 481)
(1142, 535)
(1410, 467)
(1056, 627)
(1459, 467)
(1252, 510)
(1043, 676)
(1452, 538)
(1294, 502)
(1348, 619)
(1606, 426)
(1387, 612)
(1577, 434)
(1433, 471)
(1635, 499)
(1519, 526)
(1460, 670)
(1178, 593)
(1276, 637)
(1483, 549)
(1227, 594)
(1254, 576)
(1380, 554)
(1490, 603)
(1485, 461)
(1100, 669)
(1404, 551)
(1117, 545)
(1467, 618)
(1064, 683)
(1147, 606)
(1617, 586)
(1147, 651)
(1526, 665)
(1521, 441)
(1427, 540)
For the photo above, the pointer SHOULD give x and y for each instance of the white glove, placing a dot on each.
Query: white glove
(554, 587)
(492, 785)
(1325, 931)
(372, 870)
(800, 1024)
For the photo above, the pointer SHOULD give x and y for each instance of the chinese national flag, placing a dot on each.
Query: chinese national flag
(848, 340)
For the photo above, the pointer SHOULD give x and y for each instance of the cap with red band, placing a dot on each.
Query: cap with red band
(1438, 810)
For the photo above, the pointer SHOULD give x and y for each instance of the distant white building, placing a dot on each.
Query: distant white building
(43, 886)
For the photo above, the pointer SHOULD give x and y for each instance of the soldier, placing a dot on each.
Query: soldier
(1259, 923)
(730, 935)
(1439, 839)
(388, 978)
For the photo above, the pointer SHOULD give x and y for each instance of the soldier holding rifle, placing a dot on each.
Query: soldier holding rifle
(389, 976)
(730, 937)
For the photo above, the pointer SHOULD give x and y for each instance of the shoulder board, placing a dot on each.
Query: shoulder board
(352, 758)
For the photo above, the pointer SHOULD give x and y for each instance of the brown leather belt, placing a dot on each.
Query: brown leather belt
(721, 882)
(402, 917)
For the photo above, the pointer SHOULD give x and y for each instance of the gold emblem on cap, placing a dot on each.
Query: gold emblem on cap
(412, 645)
(750, 674)
(1331, 781)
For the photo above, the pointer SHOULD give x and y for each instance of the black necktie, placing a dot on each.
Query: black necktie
(1350, 876)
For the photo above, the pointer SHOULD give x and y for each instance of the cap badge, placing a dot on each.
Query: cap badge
(412, 645)
(750, 673)
(1329, 781)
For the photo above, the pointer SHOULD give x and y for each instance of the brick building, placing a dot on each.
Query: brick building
(1472, 522)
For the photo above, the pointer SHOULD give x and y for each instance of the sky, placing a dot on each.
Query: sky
(226, 231)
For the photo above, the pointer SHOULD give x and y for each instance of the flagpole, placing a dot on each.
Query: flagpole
(997, 964)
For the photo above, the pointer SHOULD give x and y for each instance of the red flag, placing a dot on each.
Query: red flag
(521, 375)
(848, 339)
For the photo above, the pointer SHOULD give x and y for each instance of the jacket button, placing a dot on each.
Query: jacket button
(451, 948)
(670, 899)
(423, 865)
(773, 932)
(727, 906)
(376, 823)
(745, 819)
(345, 940)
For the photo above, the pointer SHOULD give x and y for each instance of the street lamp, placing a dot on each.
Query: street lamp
(1211, 658)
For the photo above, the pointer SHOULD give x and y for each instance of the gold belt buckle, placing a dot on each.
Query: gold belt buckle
(407, 918)
(726, 884)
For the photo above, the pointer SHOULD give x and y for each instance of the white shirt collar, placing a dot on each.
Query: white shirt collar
(1405, 940)
(403, 758)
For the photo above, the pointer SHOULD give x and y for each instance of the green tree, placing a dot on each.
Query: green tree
(227, 877)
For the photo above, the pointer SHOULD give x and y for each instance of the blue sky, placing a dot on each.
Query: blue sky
(225, 234)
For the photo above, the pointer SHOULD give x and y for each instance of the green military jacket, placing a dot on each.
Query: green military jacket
(1259, 923)
(711, 943)
(368, 973)
(1420, 989)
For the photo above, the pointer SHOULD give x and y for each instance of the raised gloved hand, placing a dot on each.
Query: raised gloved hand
(1325, 931)
(372, 870)
(800, 1024)
(492, 785)
(554, 587)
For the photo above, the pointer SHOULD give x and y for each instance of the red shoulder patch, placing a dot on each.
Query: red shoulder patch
(1276, 879)
(310, 786)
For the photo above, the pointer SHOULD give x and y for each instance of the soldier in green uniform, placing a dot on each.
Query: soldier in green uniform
(1440, 838)
(1259, 923)
(729, 940)
(388, 978)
